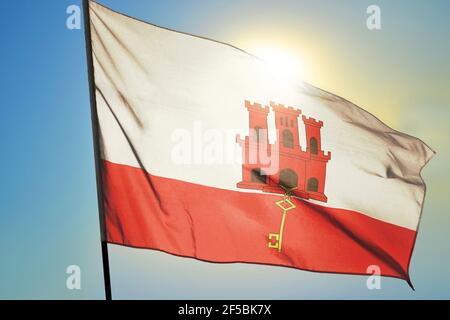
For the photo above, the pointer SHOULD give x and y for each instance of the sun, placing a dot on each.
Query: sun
(281, 62)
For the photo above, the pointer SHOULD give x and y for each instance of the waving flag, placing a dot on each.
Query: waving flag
(207, 153)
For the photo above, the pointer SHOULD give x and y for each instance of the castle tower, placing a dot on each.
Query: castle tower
(316, 166)
(257, 122)
(313, 140)
(286, 122)
(254, 146)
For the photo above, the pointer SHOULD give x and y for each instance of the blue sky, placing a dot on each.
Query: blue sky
(48, 206)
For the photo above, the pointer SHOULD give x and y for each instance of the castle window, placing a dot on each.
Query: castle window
(281, 120)
(313, 185)
(288, 179)
(258, 134)
(287, 122)
(292, 123)
(258, 176)
(288, 139)
(313, 146)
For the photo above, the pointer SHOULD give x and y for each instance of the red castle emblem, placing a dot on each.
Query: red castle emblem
(302, 171)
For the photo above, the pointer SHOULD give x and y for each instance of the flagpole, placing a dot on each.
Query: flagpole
(95, 134)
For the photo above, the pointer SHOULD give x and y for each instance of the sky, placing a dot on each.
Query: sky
(48, 204)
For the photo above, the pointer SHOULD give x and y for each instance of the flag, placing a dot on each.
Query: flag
(207, 153)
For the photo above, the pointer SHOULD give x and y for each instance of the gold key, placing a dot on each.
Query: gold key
(276, 239)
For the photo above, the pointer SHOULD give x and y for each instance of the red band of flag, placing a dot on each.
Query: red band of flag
(217, 225)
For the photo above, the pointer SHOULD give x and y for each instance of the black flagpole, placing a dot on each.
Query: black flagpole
(95, 133)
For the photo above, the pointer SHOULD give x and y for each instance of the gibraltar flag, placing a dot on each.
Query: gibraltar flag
(207, 153)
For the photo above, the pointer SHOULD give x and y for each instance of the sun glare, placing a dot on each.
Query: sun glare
(281, 62)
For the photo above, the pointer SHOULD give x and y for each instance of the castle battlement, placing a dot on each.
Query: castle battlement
(257, 107)
(276, 107)
(312, 122)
